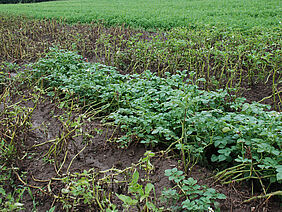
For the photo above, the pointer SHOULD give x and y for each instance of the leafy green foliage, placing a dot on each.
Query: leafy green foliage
(159, 13)
(78, 190)
(9, 201)
(140, 195)
(156, 110)
(193, 197)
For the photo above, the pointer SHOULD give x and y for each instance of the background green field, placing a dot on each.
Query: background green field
(242, 14)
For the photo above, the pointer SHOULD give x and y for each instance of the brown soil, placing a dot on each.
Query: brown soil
(103, 155)
(261, 92)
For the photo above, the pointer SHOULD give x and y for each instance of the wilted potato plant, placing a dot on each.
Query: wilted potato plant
(225, 58)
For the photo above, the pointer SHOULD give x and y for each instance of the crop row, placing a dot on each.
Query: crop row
(71, 188)
(225, 58)
(158, 14)
(213, 128)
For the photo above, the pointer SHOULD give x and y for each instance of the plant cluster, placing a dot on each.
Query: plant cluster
(98, 189)
(194, 197)
(226, 58)
(210, 127)
(235, 48)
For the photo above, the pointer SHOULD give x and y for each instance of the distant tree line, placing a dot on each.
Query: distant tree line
(21, 1)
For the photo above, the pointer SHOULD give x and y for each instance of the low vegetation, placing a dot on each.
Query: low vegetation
(225, 59)
(106, 190)
(91, 100)
(243, 140)
(158, 14)
(208, 126)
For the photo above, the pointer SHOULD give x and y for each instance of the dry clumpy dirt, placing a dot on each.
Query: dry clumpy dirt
(100, 154)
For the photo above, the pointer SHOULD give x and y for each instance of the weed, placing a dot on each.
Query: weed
(140, 195)
(89, 189)
(192, 196)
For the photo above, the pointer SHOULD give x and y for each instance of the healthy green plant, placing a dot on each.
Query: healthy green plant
(78, 191)
(158, 14)
(142, 199)
(192, 196)
(213, 127)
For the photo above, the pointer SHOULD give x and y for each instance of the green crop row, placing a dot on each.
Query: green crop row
(213, 128)
(160, 14)
(90, 188)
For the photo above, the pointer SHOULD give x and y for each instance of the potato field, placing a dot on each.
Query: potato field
(140, 106)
